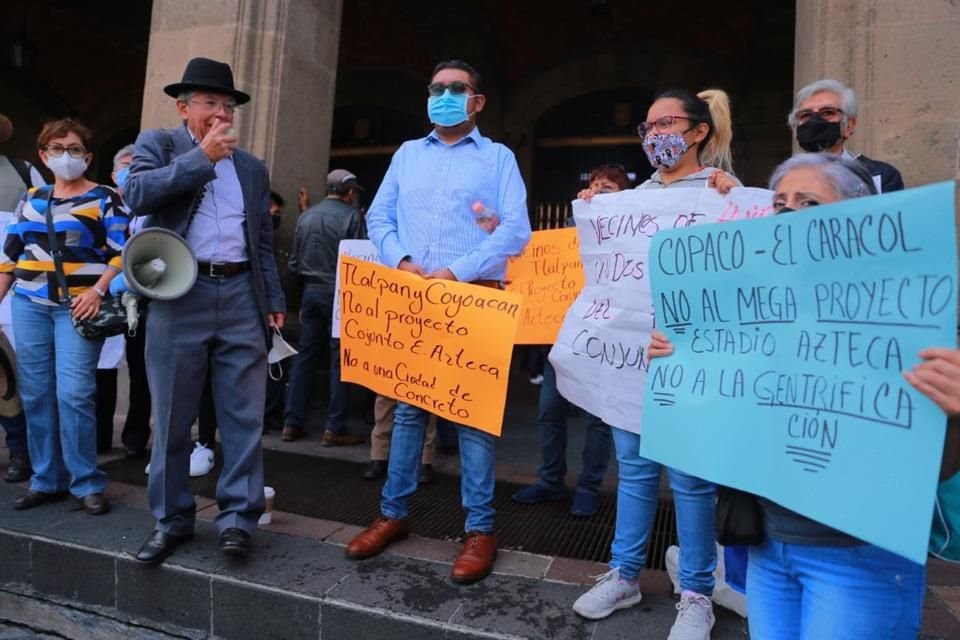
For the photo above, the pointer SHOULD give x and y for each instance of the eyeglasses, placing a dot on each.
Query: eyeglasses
(213, 105)
(827, 113)
(456, 88)
(661, 125)
(56, 150)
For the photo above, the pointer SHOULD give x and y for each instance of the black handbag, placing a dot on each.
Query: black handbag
(111, 319)
(739, 517)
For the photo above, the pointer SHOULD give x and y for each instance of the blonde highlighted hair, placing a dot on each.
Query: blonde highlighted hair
(716, 152)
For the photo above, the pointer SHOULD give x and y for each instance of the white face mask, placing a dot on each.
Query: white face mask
(66, 167)
(279, 350)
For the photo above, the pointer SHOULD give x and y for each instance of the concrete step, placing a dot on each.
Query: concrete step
(290, 587)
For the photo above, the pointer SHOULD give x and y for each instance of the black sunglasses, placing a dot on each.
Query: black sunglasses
(456, 88)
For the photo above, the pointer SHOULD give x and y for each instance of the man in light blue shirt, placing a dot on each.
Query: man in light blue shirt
(430, 218)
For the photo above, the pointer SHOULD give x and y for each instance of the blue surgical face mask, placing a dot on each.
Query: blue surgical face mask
(448, 110)
(122, 175)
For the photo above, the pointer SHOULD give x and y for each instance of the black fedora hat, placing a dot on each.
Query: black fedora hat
(204, 74)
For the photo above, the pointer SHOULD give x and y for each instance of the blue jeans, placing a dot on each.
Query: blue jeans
(57, 370)
(476, 463)
(16, 430)
(797, 591)
(637, 498)
(552, 420)
(316, 313)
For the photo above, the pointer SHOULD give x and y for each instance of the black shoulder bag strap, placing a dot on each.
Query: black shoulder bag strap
(23, 170)
(55, 251)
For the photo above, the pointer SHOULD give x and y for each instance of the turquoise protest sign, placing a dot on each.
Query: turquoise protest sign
(790, 335)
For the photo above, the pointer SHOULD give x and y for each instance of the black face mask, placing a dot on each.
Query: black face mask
(816, 134)
(276, 222)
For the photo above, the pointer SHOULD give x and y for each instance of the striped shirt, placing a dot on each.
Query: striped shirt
(90, 231)
(423, 207)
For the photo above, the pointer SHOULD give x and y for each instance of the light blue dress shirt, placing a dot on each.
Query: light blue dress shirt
(423, 207)
(216, 233)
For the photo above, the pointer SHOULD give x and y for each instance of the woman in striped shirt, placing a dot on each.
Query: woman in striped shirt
(55, 364)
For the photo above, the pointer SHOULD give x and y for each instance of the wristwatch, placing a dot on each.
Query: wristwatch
(100, 292)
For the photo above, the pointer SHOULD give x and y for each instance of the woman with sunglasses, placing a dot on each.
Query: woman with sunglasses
(57, 366)
(687, 139)
(807, 581)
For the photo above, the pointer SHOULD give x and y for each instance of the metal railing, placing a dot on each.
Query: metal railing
(551, 215)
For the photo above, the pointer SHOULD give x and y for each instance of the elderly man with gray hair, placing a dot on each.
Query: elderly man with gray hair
(824, 117)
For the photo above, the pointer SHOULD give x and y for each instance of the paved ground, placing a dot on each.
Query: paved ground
(10, 632)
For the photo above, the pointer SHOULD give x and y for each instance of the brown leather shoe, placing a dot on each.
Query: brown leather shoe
(95, 504)
(331, 439)
(32, 499)
(475, 562)
(289, 434)
(376, 537)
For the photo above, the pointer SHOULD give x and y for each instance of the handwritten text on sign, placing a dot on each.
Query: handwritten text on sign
(362, 250)
(599, 352)
(549, 275)
(790, 337)
(439, 345)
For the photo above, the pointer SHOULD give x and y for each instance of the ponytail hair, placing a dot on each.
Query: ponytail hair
(716, 149)
(710, 106)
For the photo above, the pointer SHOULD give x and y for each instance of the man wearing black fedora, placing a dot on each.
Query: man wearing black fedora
(196, 181)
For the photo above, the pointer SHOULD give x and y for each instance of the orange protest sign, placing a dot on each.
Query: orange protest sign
(439, 345)
(549, 275)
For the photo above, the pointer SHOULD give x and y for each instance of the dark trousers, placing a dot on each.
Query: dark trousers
(316, 313)
(16, 430)
(136, 427)
(207, 428)
(106, 406)
(276, 399)
(215, 328)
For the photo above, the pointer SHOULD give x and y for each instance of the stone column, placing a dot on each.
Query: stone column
(284, 54)
(902, 60)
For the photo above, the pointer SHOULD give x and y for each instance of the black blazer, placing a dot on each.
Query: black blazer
(890, 179)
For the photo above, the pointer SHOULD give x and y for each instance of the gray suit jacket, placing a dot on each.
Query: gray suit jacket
(166, 177)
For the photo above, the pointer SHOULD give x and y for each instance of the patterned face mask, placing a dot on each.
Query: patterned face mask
(664, 150)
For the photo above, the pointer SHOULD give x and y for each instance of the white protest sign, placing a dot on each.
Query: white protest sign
(362, 250)
(600, 353)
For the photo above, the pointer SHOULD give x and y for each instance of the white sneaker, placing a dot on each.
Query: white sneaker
(201, 461)
(537, 379)
(672, 561)
(694, 618)
(146, 469)
(723, 594)
(609, 594)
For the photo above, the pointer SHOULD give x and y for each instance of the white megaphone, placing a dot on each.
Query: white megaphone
(159, 264)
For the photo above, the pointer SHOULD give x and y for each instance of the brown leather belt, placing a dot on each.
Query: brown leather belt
(223, 269)
(493, 284)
